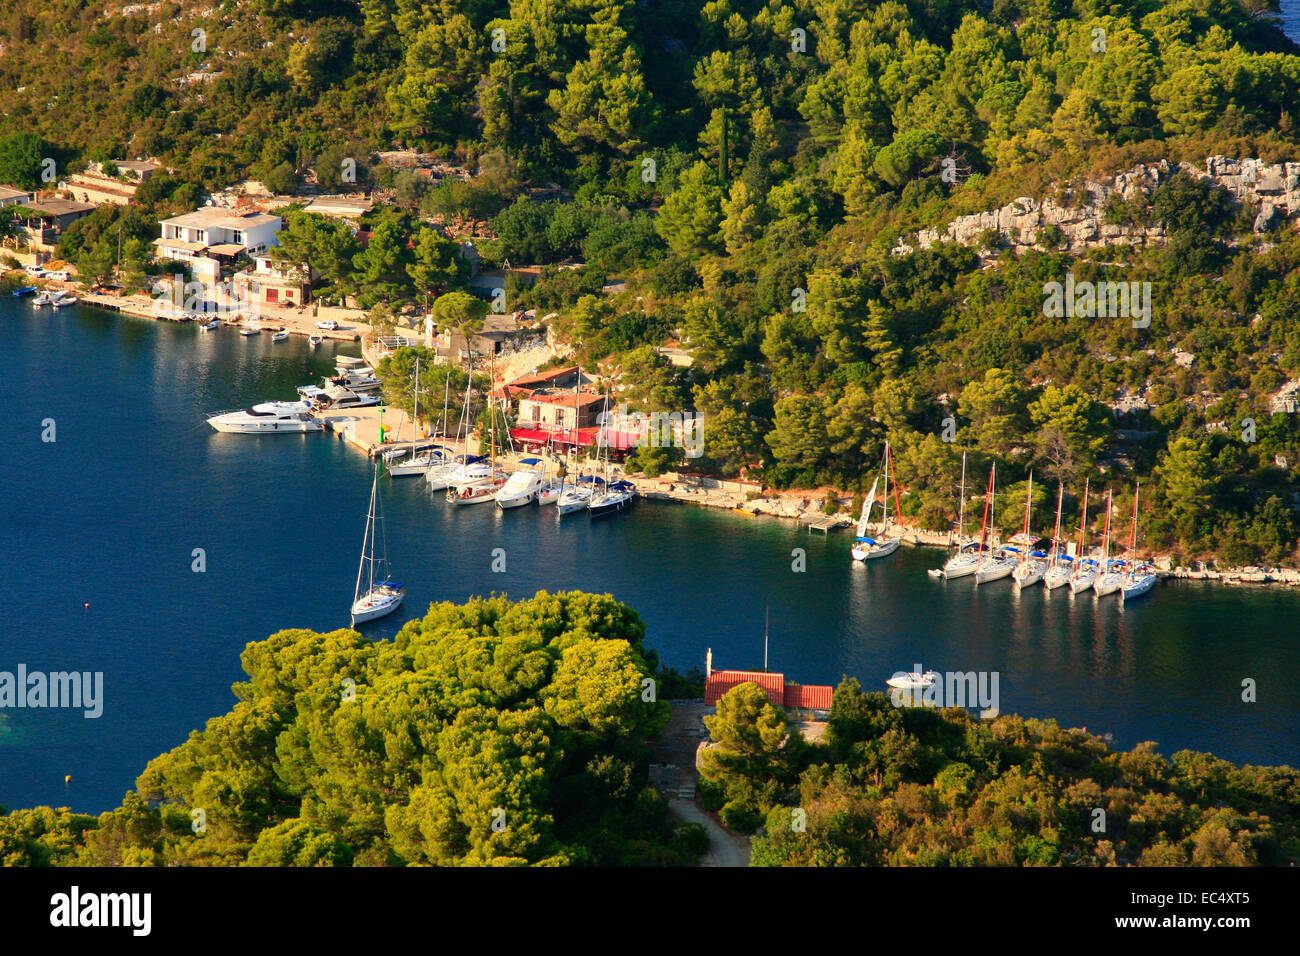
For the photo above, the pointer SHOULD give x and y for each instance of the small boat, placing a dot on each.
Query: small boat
(210, 326)
(315, 340)
(966, 560)
(336, 397)
(865, 548)
(477, 492)
(1141, 576)
(577, 496)
(249, 330)
(62, 300)
(382, 597)
(273, 418)
(281, 336)
(1084, 576)
(1033, 564)
(549, 493)
(745, 512)
(522, 487)
(1109, 575)
(994, 564)
(913, 680)
(617, 496)
(25, 290)
(45, 298)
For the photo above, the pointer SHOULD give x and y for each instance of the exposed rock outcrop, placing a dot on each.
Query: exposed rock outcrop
(1275, 189)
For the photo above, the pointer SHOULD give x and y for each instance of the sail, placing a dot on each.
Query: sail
(866, 509)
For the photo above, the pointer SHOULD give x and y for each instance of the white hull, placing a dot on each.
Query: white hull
(570, 502)
(609, 503)
(1138, 586)
(1108, 583)
(437, 476)
(475, 494)
(882, 548)
(1056, 577)
(412, 466)
(273, 428)
(375, 604)
(960, 565)
(1029, 573)
(517, 501)
(1082, 581)
(994, 570)
(548, 495)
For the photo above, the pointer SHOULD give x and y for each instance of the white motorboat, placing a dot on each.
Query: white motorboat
(45, 298)
(385, 595)
(335, 398)
(866, 548)
(281, 336)
(437, 475)
(268, 418)
(477, 492)
(249, 330)
(913, 680)
(210, 326)
(522, 487)
(63, 300)
(315, 340)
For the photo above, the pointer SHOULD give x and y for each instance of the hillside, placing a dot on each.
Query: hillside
(748, 169)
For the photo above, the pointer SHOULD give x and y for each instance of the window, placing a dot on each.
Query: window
(272, 295)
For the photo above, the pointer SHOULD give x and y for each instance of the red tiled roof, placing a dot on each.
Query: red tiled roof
(567, 400)
(543, 377)
(810, 696)
(720, 682)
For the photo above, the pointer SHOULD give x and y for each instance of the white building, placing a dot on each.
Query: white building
(212, 237)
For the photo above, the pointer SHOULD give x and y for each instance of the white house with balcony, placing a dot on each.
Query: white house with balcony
(211, 238)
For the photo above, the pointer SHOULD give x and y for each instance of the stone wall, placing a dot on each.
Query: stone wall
(1274, 189)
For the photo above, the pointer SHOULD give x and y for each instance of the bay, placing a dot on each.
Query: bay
(110, 513)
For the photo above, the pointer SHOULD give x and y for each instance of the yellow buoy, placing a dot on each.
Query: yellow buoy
(67, 778)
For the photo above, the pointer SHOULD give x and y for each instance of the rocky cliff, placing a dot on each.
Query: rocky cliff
(1273, 189)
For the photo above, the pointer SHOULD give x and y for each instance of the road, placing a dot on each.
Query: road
(725, 849)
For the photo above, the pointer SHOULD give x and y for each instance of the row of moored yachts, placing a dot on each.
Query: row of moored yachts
(1021, 558)
(353, 385)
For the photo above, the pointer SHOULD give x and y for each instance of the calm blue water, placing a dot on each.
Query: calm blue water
(1291, 19)
(109, 515)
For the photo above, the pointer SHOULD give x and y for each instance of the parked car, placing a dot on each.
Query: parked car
(327, 324)
(36, 271)
(58, 276)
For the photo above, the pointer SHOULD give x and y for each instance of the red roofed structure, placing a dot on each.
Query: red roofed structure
(719, 682)
(791, 696)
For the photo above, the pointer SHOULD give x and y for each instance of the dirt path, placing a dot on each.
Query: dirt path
(725, 849)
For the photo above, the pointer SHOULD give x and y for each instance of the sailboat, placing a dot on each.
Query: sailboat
(418, 460)
(1110, 577)
(865, 548)
(993, 565)
(1058, 565)
(967, 558)
(382, 597)
(1141, 576)
(1085, 569)
(1033, 564)
(476, 483)
(614, 495)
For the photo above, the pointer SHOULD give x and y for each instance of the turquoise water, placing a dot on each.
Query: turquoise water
(109, 514)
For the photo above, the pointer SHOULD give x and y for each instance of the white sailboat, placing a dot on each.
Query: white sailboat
(381, 596)
(418, 460)
(1111, 575)
(1085, 568)
(993, 565)
(1032, 564)
(1058, 569)
(1141, 576)
(866, 548)
(967, 558)
(613, 496)
(478, 483)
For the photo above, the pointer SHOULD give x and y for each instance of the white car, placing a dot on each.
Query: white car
(327, 324)
(35, 271)
(59, 276)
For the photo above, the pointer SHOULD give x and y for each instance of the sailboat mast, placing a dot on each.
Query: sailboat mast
(1083, 521)
(1056, 530)
(961, 507)
(984, 524)
(1029, 497)
(1105, 538)
(367, 539)
(884, 518)
(415, 422)
(1133, 548)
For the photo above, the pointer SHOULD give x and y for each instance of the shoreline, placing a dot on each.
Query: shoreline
(716, 493)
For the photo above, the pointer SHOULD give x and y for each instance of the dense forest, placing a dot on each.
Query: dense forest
(747, 168)
(491, 733)
(915, 786)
